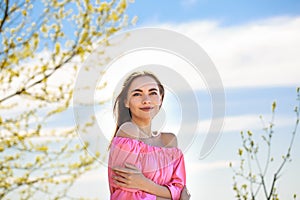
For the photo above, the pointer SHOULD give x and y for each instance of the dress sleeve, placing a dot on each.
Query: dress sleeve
(178, 179)
(125, 150)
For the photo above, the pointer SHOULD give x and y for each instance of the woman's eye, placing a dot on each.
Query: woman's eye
(136, 94)
(153, 93)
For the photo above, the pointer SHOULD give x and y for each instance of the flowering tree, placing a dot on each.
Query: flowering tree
(257, 175)
(42, 46)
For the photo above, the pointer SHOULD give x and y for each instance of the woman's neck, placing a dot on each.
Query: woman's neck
(144, 127)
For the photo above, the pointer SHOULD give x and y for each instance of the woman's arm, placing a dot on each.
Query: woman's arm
(185, 195)
(132, 177)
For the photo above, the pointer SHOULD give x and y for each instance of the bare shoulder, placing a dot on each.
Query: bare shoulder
(169, 139)
(128, 130)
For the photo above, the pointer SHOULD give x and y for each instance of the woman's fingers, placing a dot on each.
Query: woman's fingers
(129, 176)
(132, 167)
(120, 179)
(124, 181)
(120, 169)
(125, 175)
(127, 169)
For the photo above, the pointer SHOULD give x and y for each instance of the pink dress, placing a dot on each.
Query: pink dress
(164, 166)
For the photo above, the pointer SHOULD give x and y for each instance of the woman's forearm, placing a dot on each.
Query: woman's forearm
(132, 177)
(156, 189)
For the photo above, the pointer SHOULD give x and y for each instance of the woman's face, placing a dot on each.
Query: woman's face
(143, 99)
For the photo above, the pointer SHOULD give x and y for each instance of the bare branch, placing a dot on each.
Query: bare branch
(5, 15)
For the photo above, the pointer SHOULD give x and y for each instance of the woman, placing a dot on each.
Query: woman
(143, 164)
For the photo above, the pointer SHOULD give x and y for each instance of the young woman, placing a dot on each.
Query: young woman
(143, 164)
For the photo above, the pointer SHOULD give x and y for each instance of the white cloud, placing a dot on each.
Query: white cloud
(196, 167)
(262, 53)
(258, 54)
(246, 122)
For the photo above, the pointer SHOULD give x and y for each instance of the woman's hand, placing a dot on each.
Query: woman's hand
(185, 195)
(129, 177)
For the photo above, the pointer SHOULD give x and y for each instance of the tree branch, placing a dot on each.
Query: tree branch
(5, 16)
(24, 89)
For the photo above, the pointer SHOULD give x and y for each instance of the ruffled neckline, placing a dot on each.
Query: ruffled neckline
(140, 142)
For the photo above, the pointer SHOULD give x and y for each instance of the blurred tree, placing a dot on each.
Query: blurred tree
(42, 43)
(258, 174)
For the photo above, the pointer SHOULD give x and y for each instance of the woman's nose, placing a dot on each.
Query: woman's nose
(146, 99)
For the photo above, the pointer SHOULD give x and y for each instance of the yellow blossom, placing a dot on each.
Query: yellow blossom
(104, 7)
(44, 29)
(42, 148)
(114, 16)
(24, 12)
(13, 58)
(240, 152)
(57, 48)
(1, 148)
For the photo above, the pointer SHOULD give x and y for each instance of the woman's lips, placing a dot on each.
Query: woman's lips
(146, 109)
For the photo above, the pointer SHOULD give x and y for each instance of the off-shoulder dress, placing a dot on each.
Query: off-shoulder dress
(165, 166)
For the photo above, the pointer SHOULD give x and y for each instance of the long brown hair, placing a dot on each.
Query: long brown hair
(122, 114)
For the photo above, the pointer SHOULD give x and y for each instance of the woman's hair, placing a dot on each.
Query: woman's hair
(122, 114)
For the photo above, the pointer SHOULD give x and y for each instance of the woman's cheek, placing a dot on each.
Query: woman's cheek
(156, 101)
(134, 100)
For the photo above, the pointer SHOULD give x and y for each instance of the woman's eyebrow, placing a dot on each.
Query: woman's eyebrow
(139, 90)
(136, 90)
(152, 89)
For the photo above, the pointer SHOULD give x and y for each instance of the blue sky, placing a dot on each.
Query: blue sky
(229, 12)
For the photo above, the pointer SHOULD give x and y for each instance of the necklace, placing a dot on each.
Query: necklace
(154, 135)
